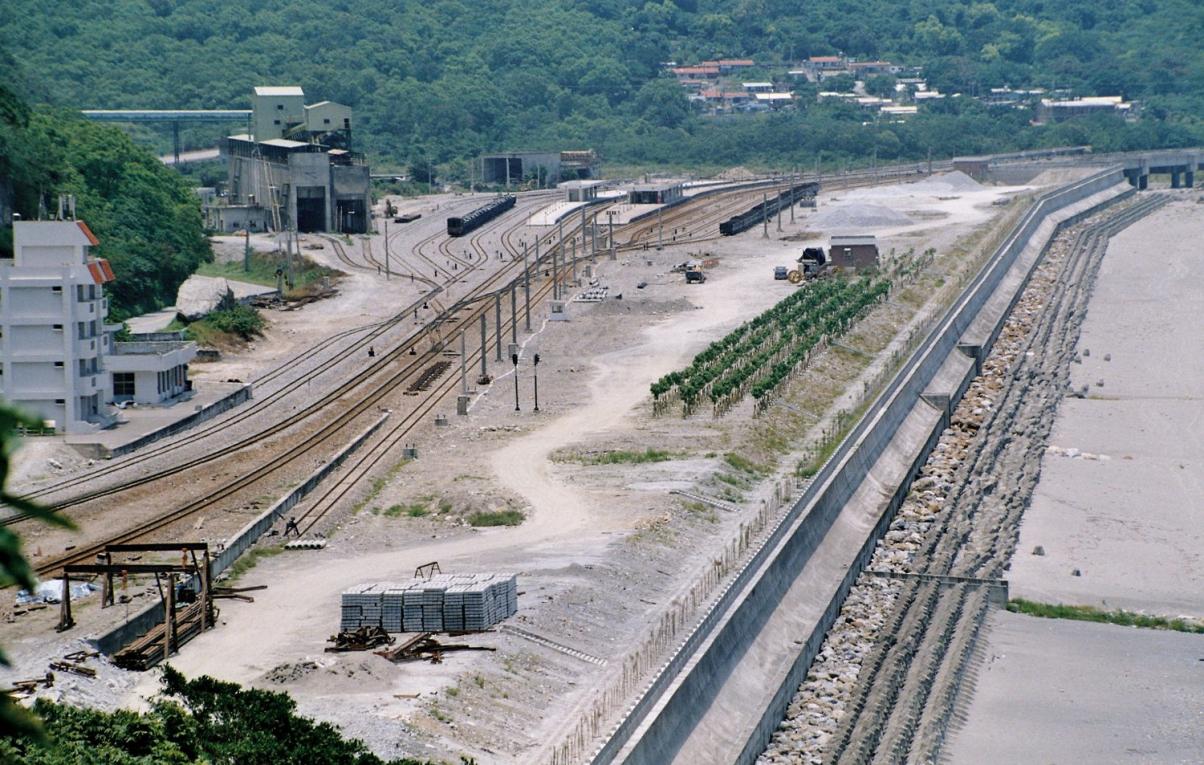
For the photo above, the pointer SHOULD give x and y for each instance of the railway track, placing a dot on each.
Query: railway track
(372, 333)
(476, 305)
(476, 302)
(908, 685)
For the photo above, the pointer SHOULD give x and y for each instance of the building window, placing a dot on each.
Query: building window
(58, 365)
(326, 121)
(279, 107)
(275, 122)
(57, 327)
(60, 401)
(56, 288)
(123, 383)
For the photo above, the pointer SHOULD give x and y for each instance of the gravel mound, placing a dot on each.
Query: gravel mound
(859, 215)
(948, 182)
(945, 184)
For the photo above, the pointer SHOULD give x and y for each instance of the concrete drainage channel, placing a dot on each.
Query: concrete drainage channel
(957, 525)
(709, 701)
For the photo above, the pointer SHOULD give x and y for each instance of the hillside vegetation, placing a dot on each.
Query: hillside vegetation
(439, 81)
(147, 218)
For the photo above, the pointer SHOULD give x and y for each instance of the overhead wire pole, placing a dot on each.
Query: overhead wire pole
(387, 276)
(484, 356)
(527, 287)
(764, 216)
(463, 363)
(610, 214)
(514, 312)
(497, 320)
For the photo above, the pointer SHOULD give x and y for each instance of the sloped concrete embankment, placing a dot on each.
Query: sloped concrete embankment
(722, 693)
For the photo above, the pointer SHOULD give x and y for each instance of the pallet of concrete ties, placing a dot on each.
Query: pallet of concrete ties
(362, 639)
(442, 603)
(592, 295)
(148, 650)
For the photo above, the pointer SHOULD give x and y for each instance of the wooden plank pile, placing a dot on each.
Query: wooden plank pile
(148, 650)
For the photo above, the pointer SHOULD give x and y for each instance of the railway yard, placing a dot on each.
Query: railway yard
(1059, 465)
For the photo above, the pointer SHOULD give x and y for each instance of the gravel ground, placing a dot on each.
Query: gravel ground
(598, 572)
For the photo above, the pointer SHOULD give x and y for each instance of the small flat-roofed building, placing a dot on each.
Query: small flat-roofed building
(854, 253)
(655, 194)
(867, 68)
(758, 87)
(277, 110)
(327, 117)
(578, 163)
(148, 371)
(826, 63)
(775, 100)
(581, 191)
(1053, 110)
(516, 167)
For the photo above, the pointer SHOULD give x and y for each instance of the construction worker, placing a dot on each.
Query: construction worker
(371, 352)
(292, 526)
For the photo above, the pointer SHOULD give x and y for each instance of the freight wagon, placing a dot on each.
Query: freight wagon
(803, 192)
(464, 224)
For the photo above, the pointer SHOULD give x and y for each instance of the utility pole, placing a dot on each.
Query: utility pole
(527, 293)
(527, 286)
(387, 276)
(555, 277)
(497, 321)
(246, 250)
(764, 216)
(660, 228)
(484, 356)
(610, 214)
(290, 236)
(463, 363)
(513, 312)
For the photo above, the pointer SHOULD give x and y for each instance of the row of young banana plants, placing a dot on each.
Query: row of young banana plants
(758, 357)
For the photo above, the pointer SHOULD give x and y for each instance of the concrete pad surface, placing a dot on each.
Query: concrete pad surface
(1119, 496)
(1052, 691)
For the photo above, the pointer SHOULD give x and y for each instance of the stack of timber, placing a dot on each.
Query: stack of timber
(148, 650)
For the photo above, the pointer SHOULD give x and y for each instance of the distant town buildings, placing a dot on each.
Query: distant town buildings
(58, 358)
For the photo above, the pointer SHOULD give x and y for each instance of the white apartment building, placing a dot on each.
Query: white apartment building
(52, 310)
(55, 347)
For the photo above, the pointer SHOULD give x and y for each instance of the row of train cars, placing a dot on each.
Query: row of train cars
(804, 193)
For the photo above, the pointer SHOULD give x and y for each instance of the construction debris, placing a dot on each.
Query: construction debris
(442, 603)
(425, 646)
(362, 639)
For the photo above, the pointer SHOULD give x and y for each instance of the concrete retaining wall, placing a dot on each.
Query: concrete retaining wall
(144, 620)
(661, 720)
(223, 404)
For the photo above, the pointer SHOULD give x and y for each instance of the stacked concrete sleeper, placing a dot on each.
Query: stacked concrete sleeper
(443, 603)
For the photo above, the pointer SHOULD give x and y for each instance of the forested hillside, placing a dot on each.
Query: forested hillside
(147, 219)
(443, 79)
